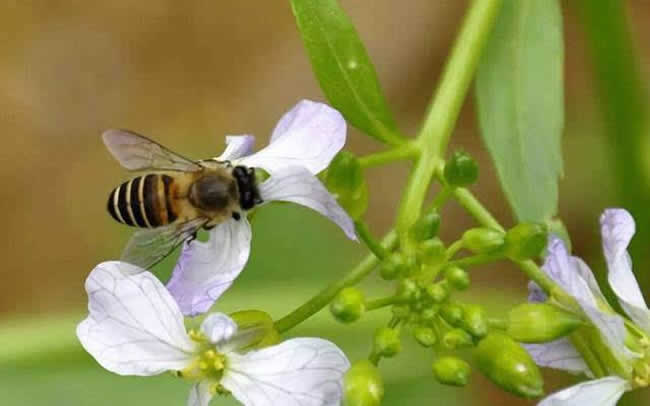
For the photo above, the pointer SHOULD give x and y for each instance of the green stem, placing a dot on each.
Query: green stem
(445, 107)
(325, 296)
(373, 245)
(382, 302)
(441, 198)
(401, 152)
(467, 200)
(474, 260)
(454, 248)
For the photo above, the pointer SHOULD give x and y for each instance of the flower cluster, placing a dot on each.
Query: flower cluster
(136, 324)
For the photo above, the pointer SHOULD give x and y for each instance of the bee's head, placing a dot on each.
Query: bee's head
(213, 192)
(249, 195)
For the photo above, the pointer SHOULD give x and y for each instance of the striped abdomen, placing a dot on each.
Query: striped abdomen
(143, 201)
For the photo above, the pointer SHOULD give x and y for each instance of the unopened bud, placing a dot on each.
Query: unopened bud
(255, 329)
(432, 252)
(540, 322)
(426, 227)
(460, 170)
(408, 290)
(364, 385)
(438, 292)
(457, 338)
(526, 240)
(387, 342)
(393, 267)
(428, 314)
(401, 311)
(451, 371)
(425, 336)
(346, 181)
(483, 240)
(474, 320)
(348, 305)
(451, 313)
(509, 366)
(457, 278)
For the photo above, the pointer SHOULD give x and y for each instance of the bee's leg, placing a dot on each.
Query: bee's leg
(236, 215)
(192, 237)
(208, 228)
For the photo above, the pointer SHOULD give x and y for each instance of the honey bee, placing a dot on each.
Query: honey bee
(176, 198)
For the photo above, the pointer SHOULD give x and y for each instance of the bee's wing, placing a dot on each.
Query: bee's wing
(149, 246)
(136, 152)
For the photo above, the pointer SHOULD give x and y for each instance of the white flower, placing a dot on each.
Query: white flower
(136, 328)
(302, 144)
(575, 277)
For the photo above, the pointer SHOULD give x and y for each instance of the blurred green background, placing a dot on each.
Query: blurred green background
(187, 73)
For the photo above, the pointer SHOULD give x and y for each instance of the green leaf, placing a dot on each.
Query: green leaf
(520, 87)
(343, 68)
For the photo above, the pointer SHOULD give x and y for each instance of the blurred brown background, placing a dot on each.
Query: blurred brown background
(187, 73)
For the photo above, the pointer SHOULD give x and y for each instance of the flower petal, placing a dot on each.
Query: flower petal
(535, 293)
(309, 135)
(612, 328)
(558, 354)
(200, 394)
(300, 371)
(298, 185)
(564, 270)
(206, 269)
(600, 392)
(237, 146)
(617, 229)
(218, 327)
(134, 326)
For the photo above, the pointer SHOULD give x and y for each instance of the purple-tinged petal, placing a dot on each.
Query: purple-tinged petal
(612, 329)
(200, 394)
(617, 229)
(206, 269)
(300, 371)
(237, 146)
(309, 136)
(134, 326)
(558, 354)
(564, 270)
(218, 327)
(535, 293)
(600, 392)
(298, 185)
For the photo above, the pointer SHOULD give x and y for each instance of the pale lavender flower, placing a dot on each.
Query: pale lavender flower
(575, 277)
(302, 144)
(136, 328)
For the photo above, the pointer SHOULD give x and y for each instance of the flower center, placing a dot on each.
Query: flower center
(209, 364)
(641, 369)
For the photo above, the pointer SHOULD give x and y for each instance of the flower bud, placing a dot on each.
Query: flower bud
(451, 313)
(474, 321)
(540, 322)
(483, 240)
(557, 227)
(451, 371)
(432, 252)
(526, 240)
(508, 365)
(408, 290)
(425, 336)
(363, 385)
(457, 278)
(348, 305)
(438, 292)
(393, 267)
(428, 314)
(426, 227)
(457, 338)
(345, 179)
(255, 329)
(387, 342)
(460, 170)
(401, 311)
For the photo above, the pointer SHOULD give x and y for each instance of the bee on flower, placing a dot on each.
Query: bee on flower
(135, 327)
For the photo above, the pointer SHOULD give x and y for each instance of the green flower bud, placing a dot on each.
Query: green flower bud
(457, 338)
(426, 227)
(401, 311)
(432, 252)
(428, 314)
(474, 320)
(438, 292)
(387, 342)
(508, 365)
(451, 313)
(425, 336)
(457, 278)
(408, 290)
(256, 328)
(451, 371)
(460, 169)
(393, 267)
(526, 240)
(345, 179)
(540, 322)
(363, 385)
(348, 305)
(483, 240)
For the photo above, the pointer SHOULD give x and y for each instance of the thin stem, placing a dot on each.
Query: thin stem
(454, 248)
(445, 107)
(316, 303)
(499, 324)
(401, 152)
(475, 260)
(373, 245)
(441, 198)
(382, 302)
(466, 199)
